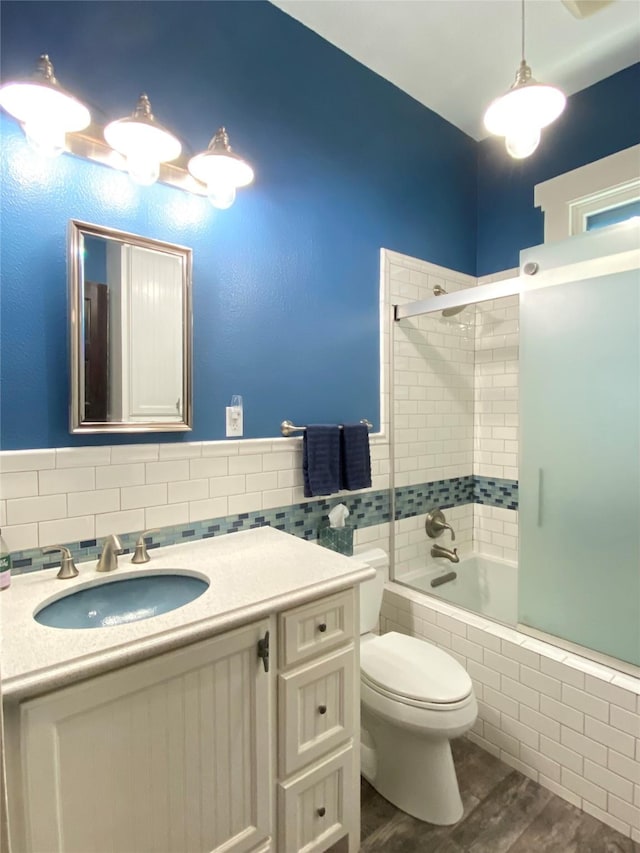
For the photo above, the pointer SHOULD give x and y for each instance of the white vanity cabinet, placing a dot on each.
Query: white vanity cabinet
(318, 721)
(200, 749)
(172, 754)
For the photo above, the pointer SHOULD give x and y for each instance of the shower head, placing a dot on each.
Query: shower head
(448, 312)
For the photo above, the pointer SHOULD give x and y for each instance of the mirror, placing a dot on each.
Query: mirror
(130, 332)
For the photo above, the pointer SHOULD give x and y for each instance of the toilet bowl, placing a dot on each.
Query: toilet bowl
(414, 699)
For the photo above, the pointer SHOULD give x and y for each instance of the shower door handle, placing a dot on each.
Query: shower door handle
(540, 496)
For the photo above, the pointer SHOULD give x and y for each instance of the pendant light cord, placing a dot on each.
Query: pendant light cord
(523, 30)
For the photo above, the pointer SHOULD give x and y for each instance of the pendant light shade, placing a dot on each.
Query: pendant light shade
(222, 170)
(520, 114)
(526, 103)
(46, 111)
(143, 141)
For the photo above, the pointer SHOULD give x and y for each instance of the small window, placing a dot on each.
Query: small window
(613, 215)
(592, 196)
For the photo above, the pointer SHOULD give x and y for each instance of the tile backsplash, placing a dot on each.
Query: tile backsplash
(79, 494)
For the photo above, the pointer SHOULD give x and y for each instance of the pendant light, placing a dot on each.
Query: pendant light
(521, 113)
(143, 141)
(222, 170)
(45, 110)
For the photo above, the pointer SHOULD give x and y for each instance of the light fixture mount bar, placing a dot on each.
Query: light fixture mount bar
(90, 143)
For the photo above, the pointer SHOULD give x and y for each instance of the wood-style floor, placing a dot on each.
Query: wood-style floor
(504, 812)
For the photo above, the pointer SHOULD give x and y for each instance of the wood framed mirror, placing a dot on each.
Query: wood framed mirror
(130, 327)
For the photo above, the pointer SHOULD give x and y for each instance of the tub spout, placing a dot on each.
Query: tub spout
(440, 551)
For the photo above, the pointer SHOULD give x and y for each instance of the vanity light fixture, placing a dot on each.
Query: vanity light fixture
(46, 111)
(143, 141)
(222, 170)
(54, 121)
(520, 114)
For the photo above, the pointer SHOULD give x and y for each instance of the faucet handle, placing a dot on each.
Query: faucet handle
(141, 554)
(435, 523)
(67, 566)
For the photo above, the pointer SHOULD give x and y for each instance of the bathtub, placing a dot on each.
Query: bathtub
(485, 585)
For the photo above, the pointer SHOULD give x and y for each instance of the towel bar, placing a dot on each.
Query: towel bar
(287, 427)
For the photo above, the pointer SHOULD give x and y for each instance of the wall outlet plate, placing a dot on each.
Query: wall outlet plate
(234, 422)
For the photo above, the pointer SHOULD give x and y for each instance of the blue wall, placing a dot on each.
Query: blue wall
(286, 281)
(597, 122)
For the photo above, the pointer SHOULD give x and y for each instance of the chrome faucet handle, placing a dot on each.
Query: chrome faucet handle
(108, 560)
(141, 554)
(67, 566)
(435, 524)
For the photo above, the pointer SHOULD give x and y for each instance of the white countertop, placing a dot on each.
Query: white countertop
(251, 575)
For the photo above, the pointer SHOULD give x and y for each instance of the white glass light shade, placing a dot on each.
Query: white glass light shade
(46, 111)
(529, 105)
(144, 142)
(140, 139)
(221, 170)
(523, 142)
(42, 104)
(212, 168)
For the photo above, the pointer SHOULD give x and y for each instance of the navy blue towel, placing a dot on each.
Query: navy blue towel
(356, 458)
(321, 459)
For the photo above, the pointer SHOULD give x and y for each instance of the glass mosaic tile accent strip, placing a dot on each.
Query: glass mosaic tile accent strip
(416, 500)
(302, 519)
(493, 491)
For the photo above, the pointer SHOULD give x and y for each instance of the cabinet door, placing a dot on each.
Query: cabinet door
(315, 705)
(170, 755)
(317, 807)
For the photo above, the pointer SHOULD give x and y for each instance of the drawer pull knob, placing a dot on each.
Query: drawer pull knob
(322, 811)
(322, 627)
(322, 709)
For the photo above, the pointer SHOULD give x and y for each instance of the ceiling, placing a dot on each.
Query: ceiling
(455, 56)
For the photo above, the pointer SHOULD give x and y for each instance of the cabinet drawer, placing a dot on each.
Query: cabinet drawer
(313, 628)
(315, 807)
(316, 709)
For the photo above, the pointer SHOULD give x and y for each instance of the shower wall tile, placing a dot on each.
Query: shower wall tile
(496, 423)
(584, 744)
(433, 378)
(456, 398)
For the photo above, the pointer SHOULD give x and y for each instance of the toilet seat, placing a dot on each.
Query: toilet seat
(414, 672)
(414, 703)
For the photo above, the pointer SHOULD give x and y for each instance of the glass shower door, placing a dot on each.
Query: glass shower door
(579, 575)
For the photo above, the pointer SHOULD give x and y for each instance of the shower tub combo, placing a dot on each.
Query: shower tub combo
(552, 644)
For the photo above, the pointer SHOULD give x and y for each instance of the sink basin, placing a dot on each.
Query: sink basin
(120, 601)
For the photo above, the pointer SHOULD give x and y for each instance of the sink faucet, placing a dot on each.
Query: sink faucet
(109, 558)
(440, 551)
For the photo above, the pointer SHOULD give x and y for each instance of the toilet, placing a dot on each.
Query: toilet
(414, 699)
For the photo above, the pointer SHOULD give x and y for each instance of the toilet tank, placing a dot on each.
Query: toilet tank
(371, 591)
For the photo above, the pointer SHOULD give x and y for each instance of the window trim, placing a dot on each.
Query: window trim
(567, 200)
